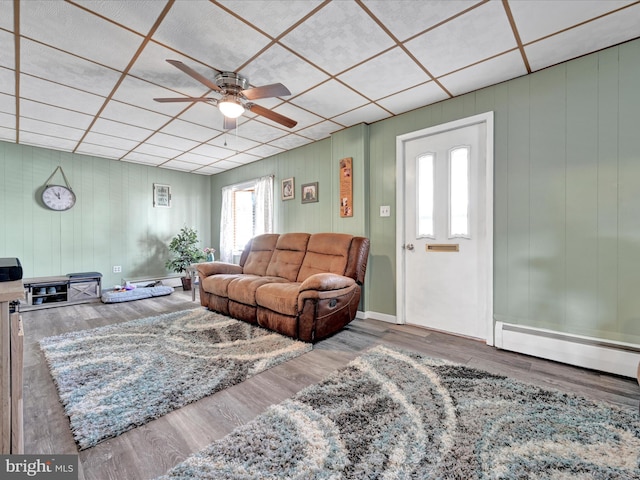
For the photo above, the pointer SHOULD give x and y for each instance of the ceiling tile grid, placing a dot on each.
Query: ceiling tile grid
(88, 71)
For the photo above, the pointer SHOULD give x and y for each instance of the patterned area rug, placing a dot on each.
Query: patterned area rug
(114, 378)
(393, 414)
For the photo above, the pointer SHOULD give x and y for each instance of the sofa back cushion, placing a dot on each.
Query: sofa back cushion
(260, 251)
(326, 253)
(288, 255)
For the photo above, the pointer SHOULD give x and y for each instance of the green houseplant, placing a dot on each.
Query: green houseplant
(183, 251)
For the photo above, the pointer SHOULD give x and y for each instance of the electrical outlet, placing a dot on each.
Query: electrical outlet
(117, 269)
(385, 211)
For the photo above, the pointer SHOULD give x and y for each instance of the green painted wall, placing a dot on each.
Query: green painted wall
(567, 191)
(112, 223)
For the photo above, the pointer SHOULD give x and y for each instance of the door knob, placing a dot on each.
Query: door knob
(408, 246)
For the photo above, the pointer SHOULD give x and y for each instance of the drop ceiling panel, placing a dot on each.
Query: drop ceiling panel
(225, 165)
(50, 129)
(205, 115)
(138, 15)
(191, 131)
(330, 99)
(38, 140)
(6, 19)
(157, 151)
(188, 28)
(33, 88)
(303, 117)
(509, 65)
(424, 94)
(7, 104)
(469, 38)
(209, 170)
(603, 32)
(274, 16)
(243, 158)
(368, 114)
(544, 17)
(141, 93)
(111, 141)
(260, 132)
(135, 116)
(290, 142)
(195, 158)
(138, 157)
(152, 66)
(265, 151)
(7, 120)
(8, 134)
(7, 47)
(7, 81)
(406, 18)
(338, 36)
(179, 165)
(171, 141)
(400, 73)
(123, 130)
(212, 151)
(233, 141)
(100, 151)
(320, 130)
(35, 110)
(45, 62)
(74, 30)
(279, 65)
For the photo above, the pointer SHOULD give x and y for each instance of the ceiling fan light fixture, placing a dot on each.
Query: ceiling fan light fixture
(230, 107)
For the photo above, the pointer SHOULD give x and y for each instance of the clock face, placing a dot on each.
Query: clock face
(57, 197)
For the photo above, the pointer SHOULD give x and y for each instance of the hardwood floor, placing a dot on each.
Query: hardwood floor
(149, 451)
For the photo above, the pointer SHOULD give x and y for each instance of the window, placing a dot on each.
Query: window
(459, 192)
(247, 211)
(425, 192)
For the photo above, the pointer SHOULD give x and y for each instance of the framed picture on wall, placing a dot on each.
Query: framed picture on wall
(161, 195)
(309, 192)
(288, 190)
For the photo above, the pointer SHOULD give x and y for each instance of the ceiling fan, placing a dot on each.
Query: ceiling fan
(236, 97)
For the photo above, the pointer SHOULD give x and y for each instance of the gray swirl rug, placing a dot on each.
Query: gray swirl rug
(393, 414)
(114, 378)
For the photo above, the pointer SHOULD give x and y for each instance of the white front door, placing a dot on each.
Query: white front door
(445, 241)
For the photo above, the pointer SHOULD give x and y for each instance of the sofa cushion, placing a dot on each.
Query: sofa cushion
(326, 253)
(279, 297)
(218, 284)
(288, 255)
(259, 256)
(243, 289)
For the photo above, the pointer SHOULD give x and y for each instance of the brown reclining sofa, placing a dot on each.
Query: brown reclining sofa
(306, 286)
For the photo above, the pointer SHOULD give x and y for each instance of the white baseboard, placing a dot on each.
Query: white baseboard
(604, 355)
(376, 316)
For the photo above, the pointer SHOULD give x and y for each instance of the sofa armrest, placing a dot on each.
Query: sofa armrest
(326, 282)
(213, 268)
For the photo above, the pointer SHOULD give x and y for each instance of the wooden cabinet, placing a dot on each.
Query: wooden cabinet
(46, 292)
(11, 365)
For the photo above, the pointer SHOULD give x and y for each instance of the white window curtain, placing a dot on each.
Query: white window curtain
(262, 218)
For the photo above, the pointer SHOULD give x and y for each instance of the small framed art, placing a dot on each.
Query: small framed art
(161, 195)
(309, 192)
(288, 190)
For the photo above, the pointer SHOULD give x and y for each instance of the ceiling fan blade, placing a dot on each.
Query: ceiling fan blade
(273, 90)
(184, 99)
(192, 73)
(230, 123)
(271, 115)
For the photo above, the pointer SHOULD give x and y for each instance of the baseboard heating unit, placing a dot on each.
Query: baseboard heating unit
(594, 353)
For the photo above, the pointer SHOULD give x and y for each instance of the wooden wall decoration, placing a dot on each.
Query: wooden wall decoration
(346, 187)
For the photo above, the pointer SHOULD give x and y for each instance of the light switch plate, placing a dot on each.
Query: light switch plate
(385, 211)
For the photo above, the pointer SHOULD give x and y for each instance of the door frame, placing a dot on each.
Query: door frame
(401, 140)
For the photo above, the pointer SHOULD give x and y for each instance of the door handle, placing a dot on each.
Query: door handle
(408, 246)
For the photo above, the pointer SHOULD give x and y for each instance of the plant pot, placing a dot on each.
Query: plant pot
(186, 283)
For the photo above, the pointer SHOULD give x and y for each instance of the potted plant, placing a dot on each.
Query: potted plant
(183, 252)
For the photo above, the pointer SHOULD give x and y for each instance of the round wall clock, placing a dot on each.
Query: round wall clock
(59, 198)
